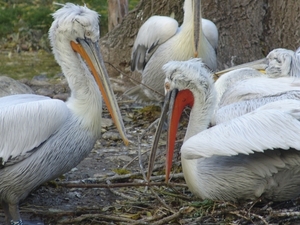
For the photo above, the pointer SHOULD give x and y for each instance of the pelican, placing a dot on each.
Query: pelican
(278, 63)
(245, 89)
(160, 40)
(42, 138)
(256, 155)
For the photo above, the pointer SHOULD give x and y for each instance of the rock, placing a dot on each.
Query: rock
(63, 96)
(45, 90)
(106, 122)
(109, 135)
(9, 86)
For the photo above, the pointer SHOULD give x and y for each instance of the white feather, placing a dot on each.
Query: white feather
(240, 108)
(257, 131)
(24, 119)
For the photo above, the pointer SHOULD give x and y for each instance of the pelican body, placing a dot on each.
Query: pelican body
(160, 40)
(42, 138)
(256, 155)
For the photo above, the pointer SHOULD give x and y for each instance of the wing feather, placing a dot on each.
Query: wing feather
(258, 87)
(155, 31)
(26, 121)
(266, 128)
(240, 108)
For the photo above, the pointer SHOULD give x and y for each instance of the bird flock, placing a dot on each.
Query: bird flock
(242, 140)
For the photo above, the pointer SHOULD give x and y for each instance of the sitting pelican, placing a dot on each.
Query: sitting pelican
(42, 138)
(256, 155)
(278, 63)
(245, 89)
(160, 40)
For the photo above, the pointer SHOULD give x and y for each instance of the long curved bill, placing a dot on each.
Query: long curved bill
(197, 25)
(162, 119)
(90, 52)
(177, 102)
(259, 65)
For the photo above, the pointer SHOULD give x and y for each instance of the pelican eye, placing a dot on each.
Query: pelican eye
(88, 33)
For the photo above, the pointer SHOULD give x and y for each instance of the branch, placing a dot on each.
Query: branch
(126, 75)
(118, 185)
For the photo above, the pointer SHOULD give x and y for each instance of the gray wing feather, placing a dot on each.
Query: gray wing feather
(240, 108)
(263, 129)
(155, 31)
(26, 121)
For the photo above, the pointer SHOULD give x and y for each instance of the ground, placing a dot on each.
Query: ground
(107, 186)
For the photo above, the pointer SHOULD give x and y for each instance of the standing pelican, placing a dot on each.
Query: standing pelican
(160, 40)
(255, 155)
(42, 138)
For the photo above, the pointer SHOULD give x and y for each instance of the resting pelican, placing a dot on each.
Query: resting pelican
(278, 63)
(160, 40)
(238, 90)
(255, 155)
(42, 138)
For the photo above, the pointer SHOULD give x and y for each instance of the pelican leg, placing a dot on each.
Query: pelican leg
(14, 214)
(6, 212)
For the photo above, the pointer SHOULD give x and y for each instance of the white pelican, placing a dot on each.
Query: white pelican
(278, 63)
(160, 40)
(242, 90)
(42, 138)
(255, 155)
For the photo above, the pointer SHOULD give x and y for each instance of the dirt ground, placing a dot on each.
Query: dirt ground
(105, 188)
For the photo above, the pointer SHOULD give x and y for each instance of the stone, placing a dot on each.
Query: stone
(9, 86)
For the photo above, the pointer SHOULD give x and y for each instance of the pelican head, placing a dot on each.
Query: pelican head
(185, 81)
(280, 62)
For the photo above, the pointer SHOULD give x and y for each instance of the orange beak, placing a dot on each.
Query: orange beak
(175, 102)
(183, 99)
(90, 52)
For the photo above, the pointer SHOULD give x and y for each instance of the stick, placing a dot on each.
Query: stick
(121, 194)
(97, 216)
(118, 185)
(161, 201)
(156, 92)
(169, 218)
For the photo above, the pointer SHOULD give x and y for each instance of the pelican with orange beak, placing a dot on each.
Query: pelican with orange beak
(256, 155)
